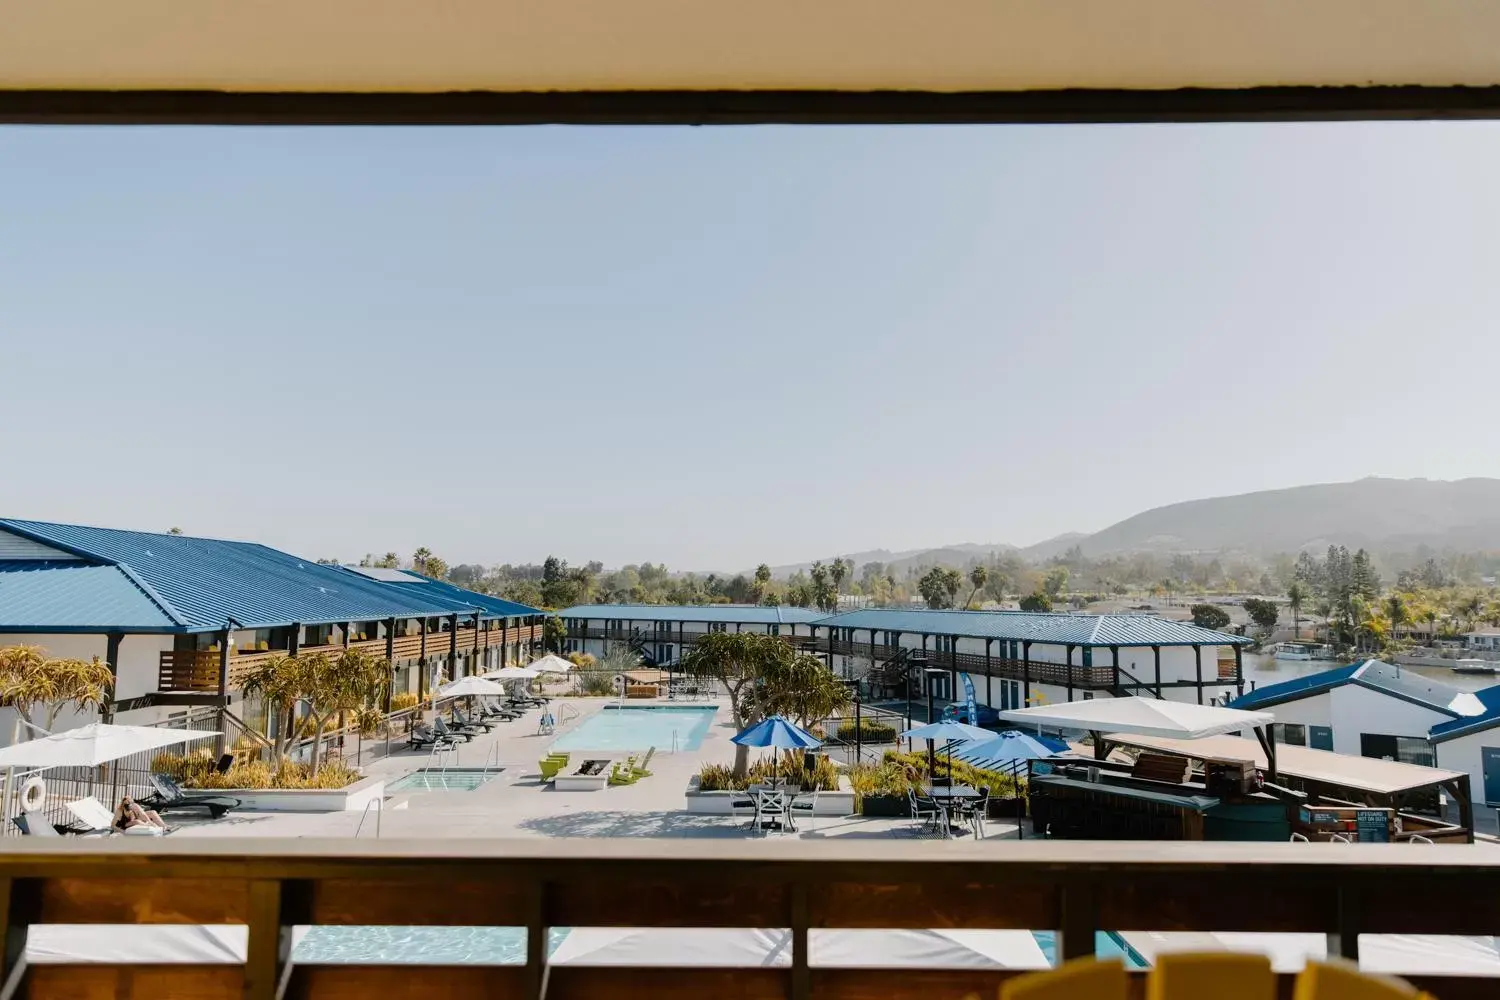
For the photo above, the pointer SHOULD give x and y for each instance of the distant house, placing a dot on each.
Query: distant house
(1487, 639)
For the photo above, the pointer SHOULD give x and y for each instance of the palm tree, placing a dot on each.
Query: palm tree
(31, 680)
(281, 683)
(1295, 596)
(1396, 613)
(978, 577)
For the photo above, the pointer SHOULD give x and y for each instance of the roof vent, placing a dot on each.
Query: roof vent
(150, 553)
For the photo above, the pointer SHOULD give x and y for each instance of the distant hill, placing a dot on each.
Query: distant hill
(1379, 514)
(1387, 515)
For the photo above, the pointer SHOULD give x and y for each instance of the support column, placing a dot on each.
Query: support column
(390, 659)
(224, 637)
(989, 690)
(1115, 654)
(1026, 670)
(1069, 657)
(1198, 670)
(422, 666)
(477, 647)
(453, 647)
(1239, 671)
(348, 628)
(112, 659)
(1156, 656)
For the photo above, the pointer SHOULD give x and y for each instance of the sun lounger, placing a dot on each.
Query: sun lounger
(169, 796)
(468, 722)
(552, 765)
(442, 728)
(97, 820)
(422, 736)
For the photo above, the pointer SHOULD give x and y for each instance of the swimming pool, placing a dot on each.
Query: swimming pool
(640, 727)
(435, 945)
(443, 779)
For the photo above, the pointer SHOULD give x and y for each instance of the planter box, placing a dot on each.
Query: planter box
(1007, 808)
(886, 806)
(350, 798)
(572, 781)
(839, 803)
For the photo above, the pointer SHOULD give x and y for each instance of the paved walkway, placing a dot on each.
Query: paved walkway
(515, 803)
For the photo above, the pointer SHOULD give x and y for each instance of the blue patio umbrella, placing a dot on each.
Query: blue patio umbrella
(1009, 748)
(778, 733)
(951, 730)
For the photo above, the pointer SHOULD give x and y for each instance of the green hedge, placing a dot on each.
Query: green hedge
(869, 732)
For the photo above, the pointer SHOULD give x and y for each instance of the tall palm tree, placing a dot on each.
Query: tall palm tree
(31, 681)
(978, 577)
(1295, 597)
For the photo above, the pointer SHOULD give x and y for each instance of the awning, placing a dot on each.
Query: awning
(1142, 717)
(1367, 774)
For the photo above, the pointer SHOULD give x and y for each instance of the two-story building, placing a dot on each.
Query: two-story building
(662, 632)
(181, 621)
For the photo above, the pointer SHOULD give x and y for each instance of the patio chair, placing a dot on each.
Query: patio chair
(96, 820)
(925, 808)
(500, 712)
(743, 807)
(977, 810)
(170, 796)
(643, 769)
(463, 721)
(550, 765)
(771, 806)
(805, 804)
(622, 774)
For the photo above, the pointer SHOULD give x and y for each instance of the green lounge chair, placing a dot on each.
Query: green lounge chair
(551, 766)
(642, 770)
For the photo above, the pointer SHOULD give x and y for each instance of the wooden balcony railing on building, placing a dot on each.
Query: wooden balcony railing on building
(198, 671)
(1074, 889)
(1080, 676)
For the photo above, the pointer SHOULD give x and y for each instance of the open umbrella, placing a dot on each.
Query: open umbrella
(512, 674)
(468, 686)
(952, 730)
(1009, 748)
(778, 733)
(550, 664)
(94, 744)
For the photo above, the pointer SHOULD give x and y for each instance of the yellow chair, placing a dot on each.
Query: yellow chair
(1221, 975)
(1082, 979)
(1343, 981)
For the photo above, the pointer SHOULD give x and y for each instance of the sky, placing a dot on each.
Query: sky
(713, 347)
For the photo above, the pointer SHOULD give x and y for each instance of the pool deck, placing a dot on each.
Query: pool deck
(515, 803)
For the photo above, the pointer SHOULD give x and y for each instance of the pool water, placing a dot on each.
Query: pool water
(428, 945)
(443, 779)
(622, 727)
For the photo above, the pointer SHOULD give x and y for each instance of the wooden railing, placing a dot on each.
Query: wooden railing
(1074, 889)
(198, 671)
(1082, 677)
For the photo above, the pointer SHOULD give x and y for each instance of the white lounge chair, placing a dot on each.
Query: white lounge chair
(99, 821)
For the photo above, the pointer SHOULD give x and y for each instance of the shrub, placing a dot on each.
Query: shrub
(1000, 783)
(716, 778)
(869, 732)
(886, 778)
(404, 700)
(595, 683)
(196, 770)
(824, 776)
(583, 661)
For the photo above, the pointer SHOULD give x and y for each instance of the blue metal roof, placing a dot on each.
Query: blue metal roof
(1490, 699)
(743, 613)
(1376, 675)
(1053, 629)
(42, 596)
(204, 583)
(429, 588)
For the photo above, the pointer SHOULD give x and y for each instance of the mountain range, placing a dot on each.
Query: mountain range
(1390, 515)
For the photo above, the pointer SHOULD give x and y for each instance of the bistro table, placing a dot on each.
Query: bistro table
(949, 796)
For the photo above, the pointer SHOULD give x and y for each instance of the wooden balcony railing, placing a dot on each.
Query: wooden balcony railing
(1074, 889)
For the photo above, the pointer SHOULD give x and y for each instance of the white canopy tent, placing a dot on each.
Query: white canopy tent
(761, 947)
(1141, 717)
(550, 664)
(94, 744)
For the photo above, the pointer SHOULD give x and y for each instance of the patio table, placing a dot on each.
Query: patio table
(951, 797)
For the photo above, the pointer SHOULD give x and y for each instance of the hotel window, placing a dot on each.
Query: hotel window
(1406, 749)
(1290, 734)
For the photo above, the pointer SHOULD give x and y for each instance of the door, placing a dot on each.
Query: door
(1320, 737)
(1489, 760)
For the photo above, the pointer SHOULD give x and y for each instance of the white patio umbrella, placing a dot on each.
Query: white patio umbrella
(550, 664)
(467, 686)
(94, 744)
(512, 674)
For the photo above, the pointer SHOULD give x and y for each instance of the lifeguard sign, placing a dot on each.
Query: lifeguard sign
(745, 60)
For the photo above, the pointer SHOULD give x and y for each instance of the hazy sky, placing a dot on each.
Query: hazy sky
(720, 346)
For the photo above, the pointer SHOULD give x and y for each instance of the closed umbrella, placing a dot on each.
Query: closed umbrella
(1009, 748)
(778, 733)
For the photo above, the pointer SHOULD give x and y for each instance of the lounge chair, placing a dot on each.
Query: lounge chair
(96, 820)
(442, 729)
(468, 722)
(33, 825)
(551, 765)
(622, 774)
(170, 796)
(422, 736)
(501, 712)
(643, 769)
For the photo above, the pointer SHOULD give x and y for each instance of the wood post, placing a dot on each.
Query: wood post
(112, 658)
(1026, 670)
(1198, 670)
(1156, 656)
